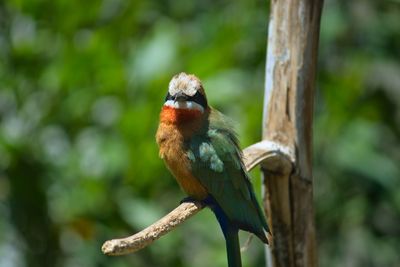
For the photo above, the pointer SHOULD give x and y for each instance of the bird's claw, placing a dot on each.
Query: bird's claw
(188, 200)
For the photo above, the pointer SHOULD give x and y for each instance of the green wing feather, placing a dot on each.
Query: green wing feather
(216, 160)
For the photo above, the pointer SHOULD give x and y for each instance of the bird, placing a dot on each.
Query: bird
(200, 148)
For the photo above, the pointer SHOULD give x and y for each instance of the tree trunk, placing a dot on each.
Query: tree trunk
(288, 112)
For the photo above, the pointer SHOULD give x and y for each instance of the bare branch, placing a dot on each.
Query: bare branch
(145, 237)
(275, 154)
(271, 155)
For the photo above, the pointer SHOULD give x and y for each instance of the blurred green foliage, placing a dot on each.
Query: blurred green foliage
(81, 85)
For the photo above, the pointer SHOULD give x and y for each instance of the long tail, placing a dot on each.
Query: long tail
(231, 234)
(233, 247)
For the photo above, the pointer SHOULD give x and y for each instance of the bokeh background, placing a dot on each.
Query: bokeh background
(81, 86)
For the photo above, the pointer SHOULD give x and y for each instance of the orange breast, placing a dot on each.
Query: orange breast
(171, 144)
(176, 116)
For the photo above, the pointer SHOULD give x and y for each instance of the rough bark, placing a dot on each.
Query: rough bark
(288, 112)
(147, 236)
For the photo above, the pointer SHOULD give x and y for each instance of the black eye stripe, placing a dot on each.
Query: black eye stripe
(197, 97)
(168, 97)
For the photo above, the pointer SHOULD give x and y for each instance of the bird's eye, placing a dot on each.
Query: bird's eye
(168, 97)
(199, 99)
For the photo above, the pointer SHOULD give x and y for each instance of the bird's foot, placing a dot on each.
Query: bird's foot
(208, 201)
(188, 200)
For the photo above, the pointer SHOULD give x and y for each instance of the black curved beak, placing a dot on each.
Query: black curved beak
(180, 97)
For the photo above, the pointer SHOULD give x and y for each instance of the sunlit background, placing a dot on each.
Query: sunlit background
(81, 86)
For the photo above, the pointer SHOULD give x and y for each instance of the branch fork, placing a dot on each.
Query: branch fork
(270, 155)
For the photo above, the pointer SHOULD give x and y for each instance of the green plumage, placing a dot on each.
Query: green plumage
(216, 161)
(201, 149)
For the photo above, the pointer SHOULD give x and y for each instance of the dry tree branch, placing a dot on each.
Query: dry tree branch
(145, 237)
(270, 155)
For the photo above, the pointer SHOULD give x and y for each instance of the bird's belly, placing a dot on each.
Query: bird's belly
(171, 143)
(179, 165)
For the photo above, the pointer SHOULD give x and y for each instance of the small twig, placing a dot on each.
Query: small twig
(252, 156)
(246, 245)
(145, 237)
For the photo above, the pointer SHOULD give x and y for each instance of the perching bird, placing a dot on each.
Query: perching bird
(201, 150)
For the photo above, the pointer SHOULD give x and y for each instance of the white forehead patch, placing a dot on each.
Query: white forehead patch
(185, 83)
(184, 105)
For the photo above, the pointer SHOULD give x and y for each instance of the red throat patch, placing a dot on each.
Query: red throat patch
(175, 116)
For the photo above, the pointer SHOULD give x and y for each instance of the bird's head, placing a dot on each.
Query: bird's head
(185, 100)
(185, 91)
